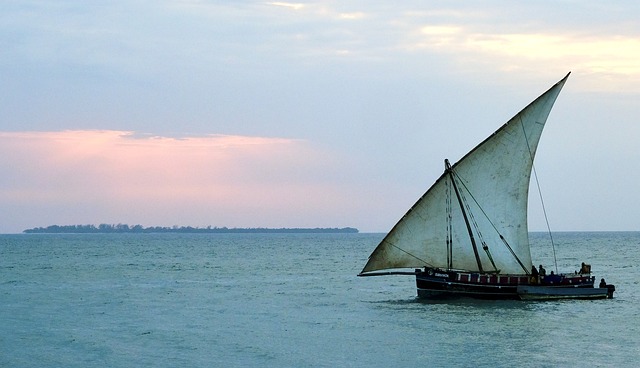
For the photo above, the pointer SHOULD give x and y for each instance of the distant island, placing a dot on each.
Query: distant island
(138, 229)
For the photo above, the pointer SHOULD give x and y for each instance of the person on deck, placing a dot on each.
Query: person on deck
(534, 275)
(585, 269)
(542, 272)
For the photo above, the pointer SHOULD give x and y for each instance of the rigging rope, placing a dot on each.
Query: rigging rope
(526, 270)
(475, 224)
(409, 254)
(544, 210)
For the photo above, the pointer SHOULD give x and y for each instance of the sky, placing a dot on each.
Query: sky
(308, 114)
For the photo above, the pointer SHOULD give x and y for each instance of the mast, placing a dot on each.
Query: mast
(464, 214)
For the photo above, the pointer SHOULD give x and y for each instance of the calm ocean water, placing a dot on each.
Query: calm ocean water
(292, 301)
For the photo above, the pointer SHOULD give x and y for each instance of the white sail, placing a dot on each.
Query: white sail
(493, 182)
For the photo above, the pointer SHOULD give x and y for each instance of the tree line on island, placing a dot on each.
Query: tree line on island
(139, 229)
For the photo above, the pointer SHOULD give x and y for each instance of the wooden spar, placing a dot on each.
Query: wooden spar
(387, 273)
(464, 214)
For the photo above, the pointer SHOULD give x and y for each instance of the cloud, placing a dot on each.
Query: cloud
(212, 38)
(294, 6)
(608, 56)
(610, 59)
(119, 176)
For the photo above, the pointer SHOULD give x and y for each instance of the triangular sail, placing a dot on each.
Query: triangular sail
(494, 181)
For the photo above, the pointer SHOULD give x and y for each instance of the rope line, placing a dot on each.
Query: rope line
(544, 210)
(526, 270)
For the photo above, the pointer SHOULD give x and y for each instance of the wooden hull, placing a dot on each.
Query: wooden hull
(435, 284)
(529, 292)
(436, 287)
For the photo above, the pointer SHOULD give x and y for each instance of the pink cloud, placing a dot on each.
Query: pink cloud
(117, 176)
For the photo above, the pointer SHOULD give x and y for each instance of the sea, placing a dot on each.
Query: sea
(293, 300)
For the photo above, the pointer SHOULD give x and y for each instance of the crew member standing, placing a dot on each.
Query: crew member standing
(534, 275)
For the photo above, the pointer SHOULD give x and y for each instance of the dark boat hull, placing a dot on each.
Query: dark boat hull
(529, 292)
(434, 284)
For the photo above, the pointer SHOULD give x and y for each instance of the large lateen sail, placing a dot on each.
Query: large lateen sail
(474, 217)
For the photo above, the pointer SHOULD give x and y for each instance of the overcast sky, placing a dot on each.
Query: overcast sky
(309, 114)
